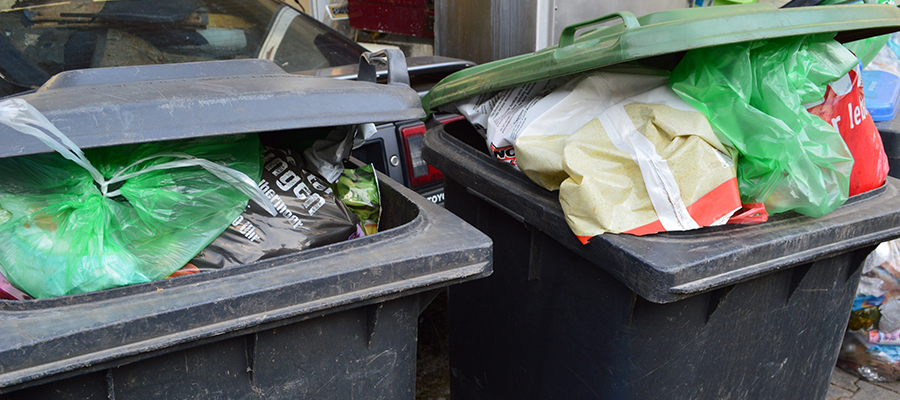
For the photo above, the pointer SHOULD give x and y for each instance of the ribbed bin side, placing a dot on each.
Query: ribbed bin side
(558, 320)
(366, 352)
(551, 324)
(335, 322)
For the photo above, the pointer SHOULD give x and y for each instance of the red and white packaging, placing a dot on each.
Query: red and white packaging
(10, 292)
(844, 107)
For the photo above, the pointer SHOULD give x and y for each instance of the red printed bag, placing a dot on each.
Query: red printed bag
(845, 108)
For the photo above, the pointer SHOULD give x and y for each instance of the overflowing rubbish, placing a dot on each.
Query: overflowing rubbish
(871, 347)
(780, 280)
(757, 128)
(81, 221)
(301, 311)
(626, 154)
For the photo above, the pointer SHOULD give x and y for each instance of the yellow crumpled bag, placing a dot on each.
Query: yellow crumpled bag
(602, 170)
(626, 153)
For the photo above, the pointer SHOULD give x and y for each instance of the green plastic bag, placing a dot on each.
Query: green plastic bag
(85, 221)
(754, 94)
(358, 190)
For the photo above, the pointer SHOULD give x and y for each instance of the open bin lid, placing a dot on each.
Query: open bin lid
(660, 34)
(424, 248)
(112, 106)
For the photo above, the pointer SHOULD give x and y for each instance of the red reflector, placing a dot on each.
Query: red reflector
(418, 171)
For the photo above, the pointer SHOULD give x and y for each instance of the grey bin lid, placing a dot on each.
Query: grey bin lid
(112, 106)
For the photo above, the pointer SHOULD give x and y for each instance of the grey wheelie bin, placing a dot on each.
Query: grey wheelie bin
(730, 312)
(334, 322)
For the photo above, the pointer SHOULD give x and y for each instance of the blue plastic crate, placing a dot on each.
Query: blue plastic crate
(882, 91)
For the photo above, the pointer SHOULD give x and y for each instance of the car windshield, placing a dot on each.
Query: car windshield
(42, 38)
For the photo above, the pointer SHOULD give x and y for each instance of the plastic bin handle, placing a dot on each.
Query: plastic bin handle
(567, 37)
(396, 66)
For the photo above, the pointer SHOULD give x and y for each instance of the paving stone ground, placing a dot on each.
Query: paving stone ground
(845, 386)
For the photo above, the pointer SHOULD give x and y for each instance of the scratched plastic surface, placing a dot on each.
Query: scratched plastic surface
(334, 322)
(676, 316)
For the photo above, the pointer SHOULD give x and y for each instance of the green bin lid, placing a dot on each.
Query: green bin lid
(667, 34)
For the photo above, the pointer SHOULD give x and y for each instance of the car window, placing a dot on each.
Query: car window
(40, 38)
(297, 45)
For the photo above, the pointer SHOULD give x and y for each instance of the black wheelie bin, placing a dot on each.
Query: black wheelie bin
(730, 312)
(334, 322)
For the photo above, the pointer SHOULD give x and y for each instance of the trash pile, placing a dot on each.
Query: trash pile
(871, 346)
(734, 133)
(76, 221)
